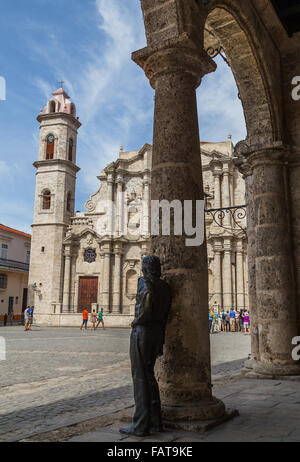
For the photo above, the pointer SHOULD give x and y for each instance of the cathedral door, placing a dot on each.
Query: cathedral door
(88, 293)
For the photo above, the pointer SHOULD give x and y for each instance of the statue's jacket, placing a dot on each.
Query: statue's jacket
(153, 301)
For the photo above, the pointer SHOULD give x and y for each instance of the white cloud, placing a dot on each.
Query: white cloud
(5, 169)
(220, 110)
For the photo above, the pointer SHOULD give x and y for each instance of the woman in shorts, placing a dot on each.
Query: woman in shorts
(246, 323)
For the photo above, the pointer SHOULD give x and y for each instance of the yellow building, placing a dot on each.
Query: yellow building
(14, 270)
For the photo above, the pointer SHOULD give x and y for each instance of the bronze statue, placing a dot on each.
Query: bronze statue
(153, 301)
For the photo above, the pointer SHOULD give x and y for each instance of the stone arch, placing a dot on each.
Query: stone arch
(51, 106)
(230, 26)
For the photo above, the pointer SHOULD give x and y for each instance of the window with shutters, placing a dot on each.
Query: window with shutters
(47, 200)
(4, 251)
(3, 281)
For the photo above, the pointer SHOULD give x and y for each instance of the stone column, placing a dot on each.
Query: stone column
(146, 224)
(101, 277)
(251, 262)
(117, 280)
(110, 204)
(217, 181)
(67, 278)
(218, 275)
(120, 206)
(106, 278)
(240, 276)
(227, 275)
(245, 168)
(294, 195)
(184, 372)
(226, 201)
(275, 290)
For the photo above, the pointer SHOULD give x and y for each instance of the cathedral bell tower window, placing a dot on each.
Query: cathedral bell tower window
(47, 200)
(71, 150)
(50, 147)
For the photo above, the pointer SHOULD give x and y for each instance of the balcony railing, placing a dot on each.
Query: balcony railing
(11, 264)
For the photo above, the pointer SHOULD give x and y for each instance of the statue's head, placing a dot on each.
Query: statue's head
(151, 268)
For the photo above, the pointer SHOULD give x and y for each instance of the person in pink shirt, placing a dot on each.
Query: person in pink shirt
(246, 323)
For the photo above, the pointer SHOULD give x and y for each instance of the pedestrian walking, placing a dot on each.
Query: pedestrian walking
(210, 321)
(11, 318)
(5, 320)
(85, 317)
(100, 319)
(30, 318)
(26, 318)
(93, 320)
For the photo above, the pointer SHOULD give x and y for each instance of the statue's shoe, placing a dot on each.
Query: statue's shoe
(130, 432)
(157, 429)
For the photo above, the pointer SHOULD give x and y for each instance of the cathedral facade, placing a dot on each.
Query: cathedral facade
(93, 258)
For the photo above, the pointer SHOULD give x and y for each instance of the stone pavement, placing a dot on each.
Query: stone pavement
(67, 379)
(269, 412)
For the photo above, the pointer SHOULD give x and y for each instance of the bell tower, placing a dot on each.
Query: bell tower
(54, 201)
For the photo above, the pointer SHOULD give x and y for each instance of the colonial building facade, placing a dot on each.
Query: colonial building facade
(93, 258)
(14, 269)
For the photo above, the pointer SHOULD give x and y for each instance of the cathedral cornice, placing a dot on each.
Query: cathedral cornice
(48, 117)
(56, 162)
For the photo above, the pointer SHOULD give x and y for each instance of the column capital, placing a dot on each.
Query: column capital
(118, 249)
(240, 247)
(179, 55)
(227, 169)
(227, 245)
(120, 178)
(146, 180)
(249, 157)
(218, 249)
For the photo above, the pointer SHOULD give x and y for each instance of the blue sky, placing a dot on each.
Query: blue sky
(86, 43)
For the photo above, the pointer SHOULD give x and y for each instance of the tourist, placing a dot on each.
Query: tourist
(100, 319)
(241, 321)
(232, 320)
(246, 323)
(26, 316)
(93, 320)
(210, 320)
(223, 321)
(30, 318)
(217, 324)
(237, 324)
(85, 317)
(227, 320)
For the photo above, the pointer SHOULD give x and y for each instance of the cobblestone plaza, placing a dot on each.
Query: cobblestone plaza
(57, 377)
(65, 385)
